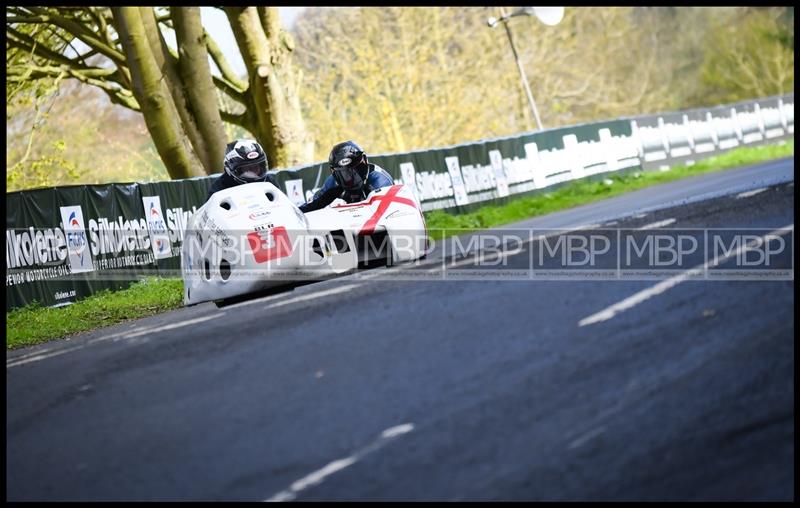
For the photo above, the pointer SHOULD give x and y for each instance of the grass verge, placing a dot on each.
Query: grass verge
(34, 324)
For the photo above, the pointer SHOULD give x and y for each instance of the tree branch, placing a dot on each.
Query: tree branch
(83, 34)
(101, 22)
(28, 44)
(229, 89)
(270, 21)
(27, 19)
(40, 71)
(115, 75)
(69, 43)
(222, 64)
(240, 120)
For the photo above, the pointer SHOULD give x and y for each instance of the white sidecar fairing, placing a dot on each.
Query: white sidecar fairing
(251, 237)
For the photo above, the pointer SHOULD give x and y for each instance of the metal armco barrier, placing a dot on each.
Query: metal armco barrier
(65, 243)
(686, 136)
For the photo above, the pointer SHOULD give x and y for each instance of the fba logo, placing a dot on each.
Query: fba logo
(157, 226)
(159, 235)
(77, 244)
(76, 240)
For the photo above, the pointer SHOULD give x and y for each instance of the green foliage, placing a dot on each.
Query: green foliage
(27, 87)
(40, 161)
(34, 324)
(47, 170)
(73, 135)
(752, 56)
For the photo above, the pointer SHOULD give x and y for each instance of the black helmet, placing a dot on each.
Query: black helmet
(348, 164)
(246, 161)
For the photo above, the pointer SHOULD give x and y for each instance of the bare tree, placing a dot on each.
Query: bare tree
(124, 52)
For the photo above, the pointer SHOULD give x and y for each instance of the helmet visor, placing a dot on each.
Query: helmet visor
(253, 172)
(348, 178)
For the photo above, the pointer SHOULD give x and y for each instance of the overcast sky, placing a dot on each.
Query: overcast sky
(288, 15)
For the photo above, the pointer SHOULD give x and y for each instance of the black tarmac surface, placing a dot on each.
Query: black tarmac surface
(362, 388)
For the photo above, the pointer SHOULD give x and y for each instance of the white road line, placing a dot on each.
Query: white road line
(319, 475)
(284, 295)
(123, 335)
(43, 356)
(258, 300)
(44, 351)
(659, 224)
(120, 334)
(750, 193)
(29, 354)
(586, 437)
(377, 272)
(664, 285)
(486, 256)
(397, 430)
(312, 296)
(174, 325)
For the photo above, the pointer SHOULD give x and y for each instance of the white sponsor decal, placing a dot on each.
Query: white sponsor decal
(294, 189)
(80, 258)
(177, 219)
(159, 238)
(29, 247)
(258, 215)
(458, 182)
(407, 170)
(499, 173)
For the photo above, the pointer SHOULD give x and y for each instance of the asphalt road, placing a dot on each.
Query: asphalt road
(362, 388)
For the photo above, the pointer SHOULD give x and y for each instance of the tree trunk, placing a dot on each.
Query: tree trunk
(168, 65)
(152, 94)
(198, 85)
(265, 49)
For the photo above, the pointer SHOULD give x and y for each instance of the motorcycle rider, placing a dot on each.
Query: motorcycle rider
(352, 177)
(245, 162)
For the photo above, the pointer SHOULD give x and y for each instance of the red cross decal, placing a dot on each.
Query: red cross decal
(385, 200)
